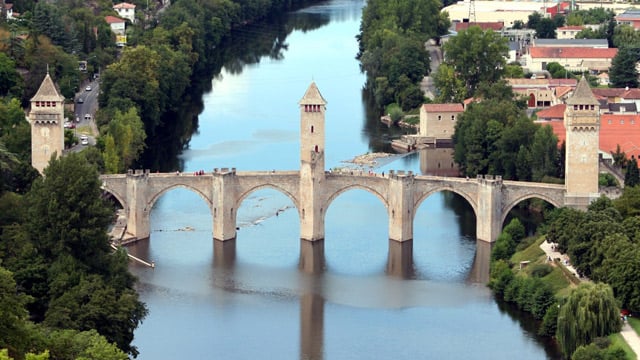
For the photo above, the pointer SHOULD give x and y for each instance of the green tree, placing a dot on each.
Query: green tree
(623, 71)
(619, 157)
(628, 204)
(476, 56)
(590, 311)
(632, 175)
(621, 270)
(546, 29)
(513, 71)
(87, 286)
(127, 131)
(13, 314)
(451, 88)
(11, 83)
(544, 150)
(626, 36)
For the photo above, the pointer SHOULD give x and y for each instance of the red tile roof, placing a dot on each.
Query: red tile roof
(624, 130)
(443, 107)
(563, 90)
(607, 92)
(124, 5)
(112, 19)
(552, 113)
(631, 94)
(572, 52)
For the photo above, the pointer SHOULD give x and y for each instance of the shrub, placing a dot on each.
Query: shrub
(541, 270)
(501, 276)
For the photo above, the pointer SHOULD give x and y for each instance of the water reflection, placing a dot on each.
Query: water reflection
(438, 162)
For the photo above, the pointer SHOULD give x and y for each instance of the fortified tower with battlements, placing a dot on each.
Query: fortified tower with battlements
(47, 124)
(582, 124)
(312, 176)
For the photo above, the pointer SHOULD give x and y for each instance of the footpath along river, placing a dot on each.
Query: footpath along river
(257, 304)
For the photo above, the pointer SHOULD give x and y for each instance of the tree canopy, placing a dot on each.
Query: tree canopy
(474, 56)
(590, 311)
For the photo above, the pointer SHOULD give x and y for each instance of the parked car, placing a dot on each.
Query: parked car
(80, 100)
(88, 88)
(84, 140)
(87, 117)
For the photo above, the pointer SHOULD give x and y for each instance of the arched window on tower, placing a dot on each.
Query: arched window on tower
(312, 129)
(316, 148)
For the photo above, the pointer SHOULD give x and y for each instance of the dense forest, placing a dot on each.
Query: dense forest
(66, 294)
(392, 50)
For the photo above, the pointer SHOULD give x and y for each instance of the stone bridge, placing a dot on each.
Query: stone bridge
(401, 193)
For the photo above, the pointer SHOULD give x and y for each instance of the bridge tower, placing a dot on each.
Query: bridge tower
(582, 124)
(312, 140)
(47, 124)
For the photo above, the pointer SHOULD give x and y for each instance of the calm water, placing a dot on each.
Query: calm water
(255, 303)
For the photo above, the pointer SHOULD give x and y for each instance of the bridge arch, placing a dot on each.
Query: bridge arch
(152, 200)
(280, 189)
(508, 207)
(346, 188)
(116, 195)
(462, 194)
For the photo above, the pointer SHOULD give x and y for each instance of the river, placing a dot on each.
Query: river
(255, 303)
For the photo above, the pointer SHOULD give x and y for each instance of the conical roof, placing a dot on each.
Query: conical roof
(312, 96)
(583, 94)
(47, 91)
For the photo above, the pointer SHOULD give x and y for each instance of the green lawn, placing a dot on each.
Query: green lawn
(618, 340)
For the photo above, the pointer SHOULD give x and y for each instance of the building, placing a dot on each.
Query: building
(46, 117)
(572, 58)
(582, 165)
(542, 93)
(118, 27)
(619, 121)
(126, 11)
(568, 32)
(438, 121)
(629, 17)
(574, 43)
(492, 11)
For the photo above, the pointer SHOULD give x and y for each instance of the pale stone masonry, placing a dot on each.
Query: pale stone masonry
(47, 124)
(438, 121)
(582, 124)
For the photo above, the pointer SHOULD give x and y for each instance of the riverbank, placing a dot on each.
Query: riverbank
(627, 333)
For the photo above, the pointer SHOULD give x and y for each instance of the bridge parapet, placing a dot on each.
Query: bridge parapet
(490, 179)
(224, 171)
(138, 172)
(400, 173)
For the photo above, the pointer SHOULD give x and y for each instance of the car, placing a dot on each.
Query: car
(80, 100)
(87, 117)
(67, 124)
(84, 140)
(88, 88)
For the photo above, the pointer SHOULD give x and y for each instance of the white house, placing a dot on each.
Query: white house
(118, 27)
(126, 10)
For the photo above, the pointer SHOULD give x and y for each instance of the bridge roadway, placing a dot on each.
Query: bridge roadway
(223, 190)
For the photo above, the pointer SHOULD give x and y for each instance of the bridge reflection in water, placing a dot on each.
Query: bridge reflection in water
(315, 288)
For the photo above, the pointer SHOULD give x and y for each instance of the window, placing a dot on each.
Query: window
(316, 148)
(453, 118)
(439, 117)
(312, 129)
